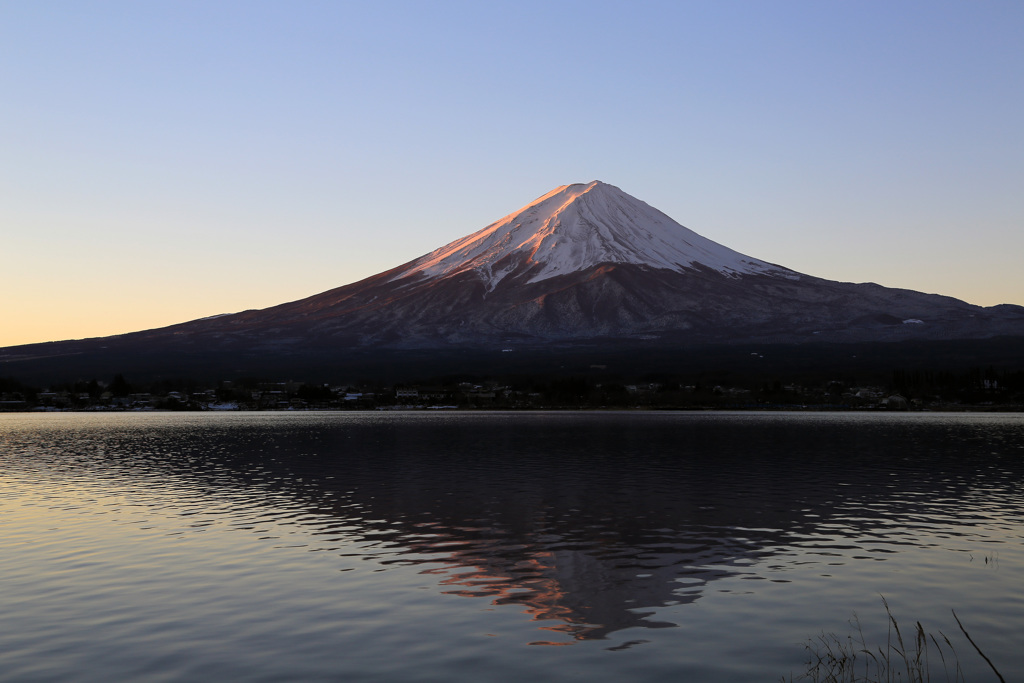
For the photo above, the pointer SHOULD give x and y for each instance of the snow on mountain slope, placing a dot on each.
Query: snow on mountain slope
(575, 227)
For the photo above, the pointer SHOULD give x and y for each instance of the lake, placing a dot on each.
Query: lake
(449, 546)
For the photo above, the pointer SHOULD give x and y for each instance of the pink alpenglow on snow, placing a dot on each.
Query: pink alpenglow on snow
(578, 226)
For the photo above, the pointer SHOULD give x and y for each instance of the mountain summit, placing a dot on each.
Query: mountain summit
(576, 227)
(584, 266)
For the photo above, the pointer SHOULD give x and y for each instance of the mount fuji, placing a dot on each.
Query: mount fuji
(589, 261)
(583, 264)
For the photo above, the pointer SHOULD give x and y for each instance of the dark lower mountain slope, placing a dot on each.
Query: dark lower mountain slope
(631, 313)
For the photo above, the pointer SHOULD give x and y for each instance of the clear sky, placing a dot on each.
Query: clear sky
(170, 160)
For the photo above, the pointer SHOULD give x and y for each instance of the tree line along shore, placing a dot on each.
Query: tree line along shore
(976, 389)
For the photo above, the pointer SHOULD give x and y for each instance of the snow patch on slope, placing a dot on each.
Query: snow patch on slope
(575, 227)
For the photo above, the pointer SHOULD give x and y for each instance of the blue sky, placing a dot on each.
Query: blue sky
(165, 161)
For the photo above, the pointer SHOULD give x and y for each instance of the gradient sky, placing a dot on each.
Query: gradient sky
(166, 161)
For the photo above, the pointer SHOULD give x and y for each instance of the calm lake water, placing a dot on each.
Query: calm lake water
(498, 546)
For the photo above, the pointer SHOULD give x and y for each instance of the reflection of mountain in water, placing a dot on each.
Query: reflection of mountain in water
(594, 585)
(594, 521)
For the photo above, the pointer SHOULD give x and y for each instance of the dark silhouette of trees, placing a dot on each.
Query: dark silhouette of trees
(119, 388)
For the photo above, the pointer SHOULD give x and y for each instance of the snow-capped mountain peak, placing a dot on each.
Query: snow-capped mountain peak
(584, 272)
(575, 227)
